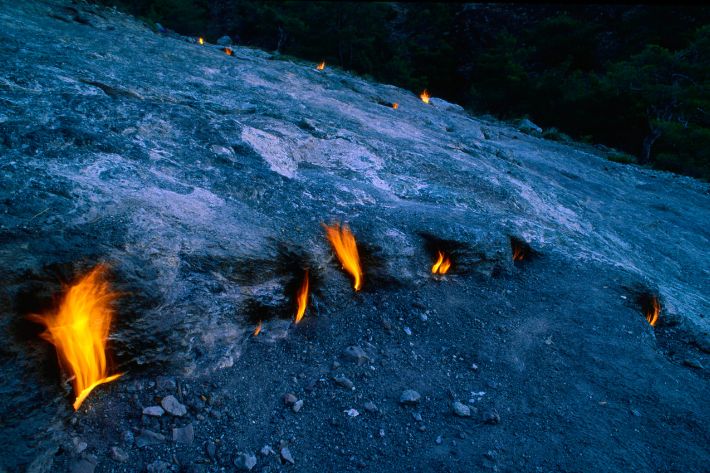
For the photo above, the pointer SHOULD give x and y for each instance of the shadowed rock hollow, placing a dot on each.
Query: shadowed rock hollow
(203, 179)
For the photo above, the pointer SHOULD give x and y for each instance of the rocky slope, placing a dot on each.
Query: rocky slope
(203, 180)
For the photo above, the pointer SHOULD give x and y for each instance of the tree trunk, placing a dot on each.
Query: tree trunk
(651, 138)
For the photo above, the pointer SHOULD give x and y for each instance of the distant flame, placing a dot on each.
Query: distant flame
(395, 105)
(321, 66)
(425, 96)
(201, 40)
(343, 243)
(518, 253)
(442, 264)
(228, 51)
(79, 330)
(653, 310)
(302, 298)
(257, 330)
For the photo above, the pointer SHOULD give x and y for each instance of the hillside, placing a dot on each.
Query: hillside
(204, 180)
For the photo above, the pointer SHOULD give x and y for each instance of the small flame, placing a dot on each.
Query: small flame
(652, 311)
(321, 66)
(201, 40)
(257, 330)
(425, 96)
(395, 105)
(442, 264)
(302, 298)
(228, 51)
(518, 253)
(343, 243)
(79, 330)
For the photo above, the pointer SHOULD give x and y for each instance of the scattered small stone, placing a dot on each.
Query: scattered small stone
(286, 456)
(245, 461)
(461, 410)
(417, 416)
(491, 416)
(635, 412)
(184, 434)
(119, 455)
(297, 405)
(335, 366)
(79, 445)
(407, 330)
(439, 440)
(210, 449)
(474, 367)
(422, 428)
(266, 450)
(356, 354)
(159, 466)
(127, 437)
(173, 406)
(491, 455)
(83, 465)
(352, 412)
(290, 399)
(693, 363)
(154, 411)
(371, 407)
(166, 383)
(148, 437)
(344, 382)
(382, 432)
(410, 397)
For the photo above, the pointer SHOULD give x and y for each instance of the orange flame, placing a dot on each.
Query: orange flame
(395, 105)
(442, 264)
(302, 298)
(201, 40)
(425, 96)
(652, 311)
(257, 330)
(321, 66)
(228, 51)
(518, 253)
(343, 243)
(79, 330)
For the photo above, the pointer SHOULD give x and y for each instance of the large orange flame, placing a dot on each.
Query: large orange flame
(395, 105)
(425, 96)
(343, 243)
(201, 40)
(652, 311)
(79, 330)
(228, 51)
(257, 330)
(302, 298)
(321, 66)
(442, 264)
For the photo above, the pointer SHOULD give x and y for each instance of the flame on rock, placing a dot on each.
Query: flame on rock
(302, 298)
(79, 330)
(343, 243)
(442, 264)
(201, 40)
(653, 310)
(228, 51)
(321, 66)
(257, 330)
(395, 105)
(425, 96)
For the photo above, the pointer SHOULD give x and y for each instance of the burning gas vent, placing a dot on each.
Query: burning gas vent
(650, 307)
(520, 250)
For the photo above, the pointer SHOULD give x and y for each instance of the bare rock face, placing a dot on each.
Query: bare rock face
(204, 179)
